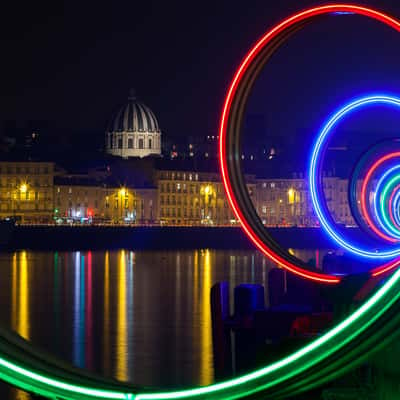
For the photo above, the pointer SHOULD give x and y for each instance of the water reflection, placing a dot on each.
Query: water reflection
(121, 338)
(206, 370)
(142, 317)
(20, 304)
(106, 315)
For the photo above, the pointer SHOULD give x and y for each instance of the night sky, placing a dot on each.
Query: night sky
(72, 64)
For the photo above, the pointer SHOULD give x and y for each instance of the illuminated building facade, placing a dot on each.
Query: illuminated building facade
(95, 202)
(26, 191)
(32, 193)
(133, 131)
(194, 198)
(287, 202)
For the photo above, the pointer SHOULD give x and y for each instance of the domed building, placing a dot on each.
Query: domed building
(133, 131)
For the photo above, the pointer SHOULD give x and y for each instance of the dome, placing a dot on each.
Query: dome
(133, 131)
(134, 116)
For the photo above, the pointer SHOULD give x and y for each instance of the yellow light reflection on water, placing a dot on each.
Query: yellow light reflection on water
(206, 369)
(23, 297)
(106, 314)
(20, 305)
(14, 293)
(122, 326)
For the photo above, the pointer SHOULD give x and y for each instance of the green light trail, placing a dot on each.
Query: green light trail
(48, 378)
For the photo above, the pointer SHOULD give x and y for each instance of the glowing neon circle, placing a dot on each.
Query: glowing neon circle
(230, 127)
(315, 166)
(380, 198)
(316, 362)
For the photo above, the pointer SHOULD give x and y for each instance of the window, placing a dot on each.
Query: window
(120, 142)
(130, 143)
(264, 209)
(110, 141)
(70, 190)
(272, 185)
(150, 144)
(141, 144)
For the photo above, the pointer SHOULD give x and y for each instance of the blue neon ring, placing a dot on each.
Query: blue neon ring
(320, 207)
(396, 210)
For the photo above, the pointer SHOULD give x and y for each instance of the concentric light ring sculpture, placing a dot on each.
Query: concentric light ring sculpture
(230, 138)
(348, 343)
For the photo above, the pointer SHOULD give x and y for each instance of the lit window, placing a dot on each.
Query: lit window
(272, 185)
(264, 209)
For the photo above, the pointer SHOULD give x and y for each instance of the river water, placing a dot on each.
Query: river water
(142, 317)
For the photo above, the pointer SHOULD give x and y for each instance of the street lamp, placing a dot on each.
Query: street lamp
(291, 201)
(23, 188)
(122, 193)
(207, 192)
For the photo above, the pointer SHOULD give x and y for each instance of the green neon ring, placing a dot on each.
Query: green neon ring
(384, 212)
(369, 327)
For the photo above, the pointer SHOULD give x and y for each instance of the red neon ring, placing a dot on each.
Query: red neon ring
(394, 222)
(364, 208)
(244, 66)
